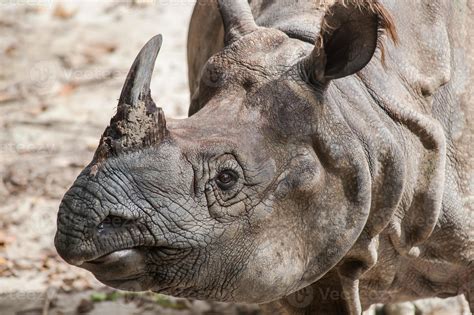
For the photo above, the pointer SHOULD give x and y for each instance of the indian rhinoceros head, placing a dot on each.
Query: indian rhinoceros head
(259, 193)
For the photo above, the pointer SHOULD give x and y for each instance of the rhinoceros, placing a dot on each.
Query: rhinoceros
(326, 163)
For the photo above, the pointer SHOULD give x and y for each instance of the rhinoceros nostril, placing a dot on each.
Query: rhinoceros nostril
(113, 222)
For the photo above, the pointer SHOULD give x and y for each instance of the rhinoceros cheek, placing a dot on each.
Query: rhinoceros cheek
(274, 271)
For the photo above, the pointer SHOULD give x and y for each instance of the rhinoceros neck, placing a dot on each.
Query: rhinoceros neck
(417, 240)
(422, 103)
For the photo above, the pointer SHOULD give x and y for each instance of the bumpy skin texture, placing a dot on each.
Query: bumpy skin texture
(349, 187)
(411, 120)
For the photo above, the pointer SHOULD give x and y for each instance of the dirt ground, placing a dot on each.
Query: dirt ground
(62, 65)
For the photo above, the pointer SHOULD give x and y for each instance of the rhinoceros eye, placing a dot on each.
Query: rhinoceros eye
(226, 179)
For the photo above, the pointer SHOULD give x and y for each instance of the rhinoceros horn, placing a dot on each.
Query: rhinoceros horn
(137, 85)
(138, 122)
(237, 18)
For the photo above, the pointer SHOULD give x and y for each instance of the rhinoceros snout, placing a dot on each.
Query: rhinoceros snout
(89, 227)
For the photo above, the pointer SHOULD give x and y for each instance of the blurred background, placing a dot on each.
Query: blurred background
(62, 66)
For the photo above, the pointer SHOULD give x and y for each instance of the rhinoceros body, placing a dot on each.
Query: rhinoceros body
(326, 165)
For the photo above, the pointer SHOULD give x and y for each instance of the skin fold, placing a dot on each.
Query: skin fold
(326, 164)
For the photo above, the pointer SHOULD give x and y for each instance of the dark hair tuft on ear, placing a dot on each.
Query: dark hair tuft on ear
(386, 27)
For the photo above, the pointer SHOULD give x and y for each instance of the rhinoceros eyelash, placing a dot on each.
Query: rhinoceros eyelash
(228, 166)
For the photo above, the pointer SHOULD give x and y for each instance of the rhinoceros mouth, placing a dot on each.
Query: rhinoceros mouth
(122, 269)
(129, 254)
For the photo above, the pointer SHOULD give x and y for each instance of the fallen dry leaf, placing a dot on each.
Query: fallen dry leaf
(61, 12)
(96, 50)
(67, 89)
(10, 50)
(6, 97)
(85, 306)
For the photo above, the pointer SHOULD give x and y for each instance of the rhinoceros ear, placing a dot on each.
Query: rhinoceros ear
(237, 18)
(348, 40)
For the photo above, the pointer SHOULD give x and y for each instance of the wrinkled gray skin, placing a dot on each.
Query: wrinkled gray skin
(347, 187)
